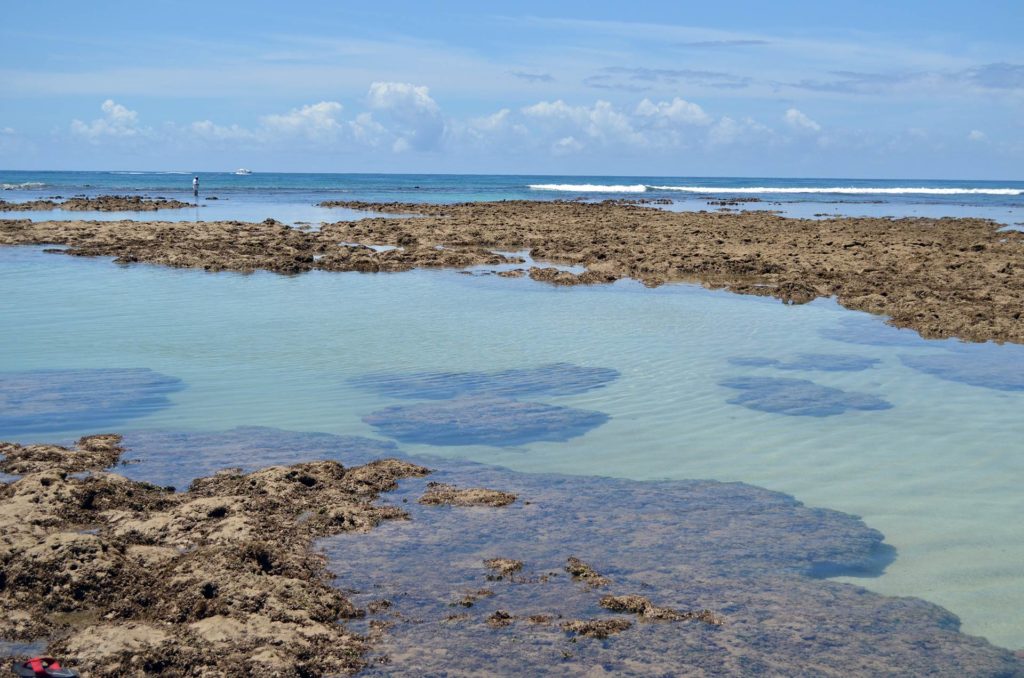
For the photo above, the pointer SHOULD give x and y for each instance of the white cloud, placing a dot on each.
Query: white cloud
(414, 116)
(729, 131)
(117, 122)
(315, 122)
(493, 122)
(677, 111)
(977, 135)
(799, 121)
(566, 146)
(206, 129)
(6, 130)
(367, 131)
(401, 96)
(599, 122)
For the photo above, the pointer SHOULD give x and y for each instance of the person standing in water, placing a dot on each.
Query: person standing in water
(195, 186)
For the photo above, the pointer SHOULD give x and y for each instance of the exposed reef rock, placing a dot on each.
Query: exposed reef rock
(595, 628)
(648, 611)
(941, 277)
(439, 494)
(584, 572)
(129, 579)
(102, 203)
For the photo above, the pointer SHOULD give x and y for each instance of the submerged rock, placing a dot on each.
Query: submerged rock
(483, 421)
(66, 400)
(738, 569)
(871, 332)
(555, 379)
(984, 366)
(799, 397)
(155, 455)
(824, 362)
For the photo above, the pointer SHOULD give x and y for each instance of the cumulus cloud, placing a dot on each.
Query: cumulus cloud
(6, 130)
(800, 121)
(405, 118)
(678, 111)
(977, 135)
(730, 131)
(315, 122)
(412, 113)
(600, 122)
(208, 130)
(566, 146)
(117, 121)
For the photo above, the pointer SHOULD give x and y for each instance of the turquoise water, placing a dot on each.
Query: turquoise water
(897, 435)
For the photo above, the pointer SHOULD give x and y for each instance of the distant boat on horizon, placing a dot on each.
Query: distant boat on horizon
(242, 172)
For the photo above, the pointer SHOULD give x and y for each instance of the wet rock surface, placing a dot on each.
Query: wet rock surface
(499, 422)
(555, 379)
(442, 494)
(64, 400)
(129, 579)
(799, 397)
(940, 277)
(102, 203)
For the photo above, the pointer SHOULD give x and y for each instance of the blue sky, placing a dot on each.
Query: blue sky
(868, 89)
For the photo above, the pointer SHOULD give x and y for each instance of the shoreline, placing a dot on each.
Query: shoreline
(940, 277)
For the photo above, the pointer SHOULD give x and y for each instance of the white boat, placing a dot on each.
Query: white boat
(243, 172)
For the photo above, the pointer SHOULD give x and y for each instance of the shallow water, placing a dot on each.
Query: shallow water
(938, 472)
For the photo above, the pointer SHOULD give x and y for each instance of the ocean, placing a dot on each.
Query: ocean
(291, 198)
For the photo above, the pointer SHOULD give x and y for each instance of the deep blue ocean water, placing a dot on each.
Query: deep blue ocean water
(290, 197)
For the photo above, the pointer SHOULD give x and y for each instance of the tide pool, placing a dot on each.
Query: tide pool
(921, 439)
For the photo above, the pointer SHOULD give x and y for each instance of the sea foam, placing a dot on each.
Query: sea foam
(851, 190)
(18, 187)
(713, 190)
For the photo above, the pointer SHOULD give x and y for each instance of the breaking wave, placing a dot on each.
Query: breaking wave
(850, 190)
(716, 190)
(18, 187)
